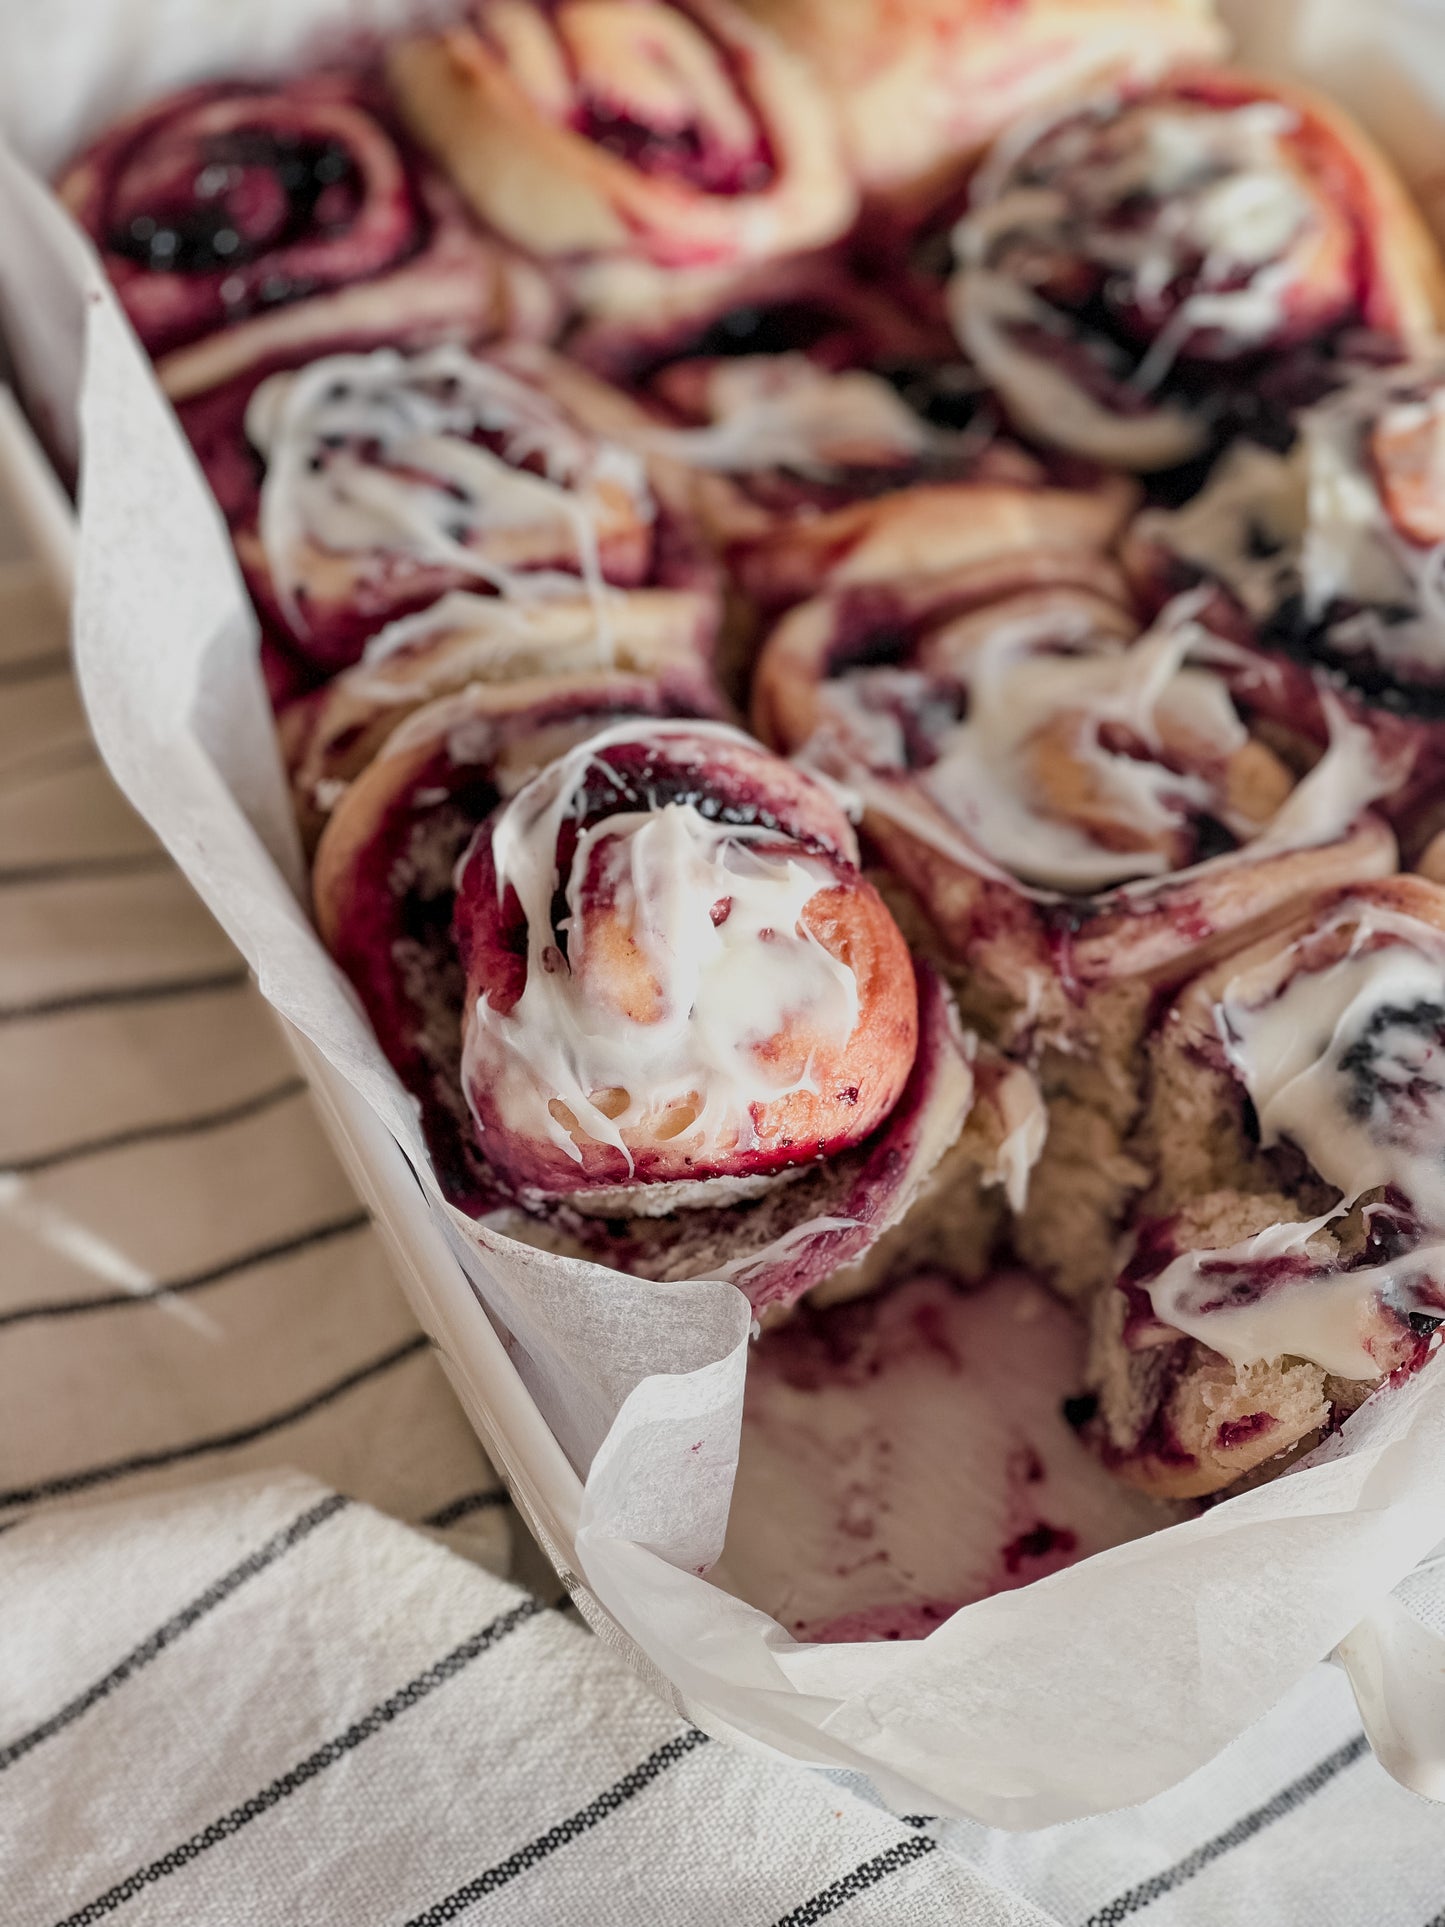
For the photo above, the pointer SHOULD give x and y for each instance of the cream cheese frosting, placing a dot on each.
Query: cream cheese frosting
(713, 911)
(378, 453)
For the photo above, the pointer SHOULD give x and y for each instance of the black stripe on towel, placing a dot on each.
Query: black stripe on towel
(1287, 1800)
(276, 1547)
(93, 1475)
(892, 1860)
(114, 994)
(465, 1506)
(37, 668)
(382, 1715)
(84, 869)
(266, 1254)
(535, 1851)
(36, 1162)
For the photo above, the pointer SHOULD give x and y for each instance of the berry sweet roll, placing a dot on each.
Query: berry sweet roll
(544, 647)
(1289, 1257)
(652, 1010)
(245, 225)
(359, 488)
(1330, 553)
(1133, 265)
(653, 149)
(1081, 814)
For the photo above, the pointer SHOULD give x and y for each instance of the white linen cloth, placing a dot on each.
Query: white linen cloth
(234, 1690)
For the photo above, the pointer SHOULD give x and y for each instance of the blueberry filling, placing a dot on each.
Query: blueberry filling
(1294, 632)
(1079, 1411)
(1394, 1072)
(946, 395)
(255, 192)
(791, 327)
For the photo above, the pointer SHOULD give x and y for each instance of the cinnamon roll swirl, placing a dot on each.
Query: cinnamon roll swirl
(359, 488)
(1290, 1258)
(647, 999)
(244, 225)
(1124, 263)
(656, 147)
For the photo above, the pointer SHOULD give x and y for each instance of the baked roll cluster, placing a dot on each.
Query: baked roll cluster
(855, 610)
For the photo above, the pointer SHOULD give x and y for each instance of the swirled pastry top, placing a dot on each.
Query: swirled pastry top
(624, 136)
(675, 972)
(1060, 750)
(445, 458)
(1206, 219)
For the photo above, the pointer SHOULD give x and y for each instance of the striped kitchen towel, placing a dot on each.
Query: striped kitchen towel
(258, 1661)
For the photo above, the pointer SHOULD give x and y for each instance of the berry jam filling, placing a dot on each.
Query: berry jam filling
(256, 191)
(631, 777)
(1394, 1072)
(686, 154)
(1239, 1431)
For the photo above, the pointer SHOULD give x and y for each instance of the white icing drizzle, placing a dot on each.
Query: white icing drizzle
(1254, 498)
(739, 1271)
(719, 989)
(1337, 544)
(1289, 1031)
(1019, 683)
(500, 622)
(1330, 1317)
(1016, 690)
(1020, 1105)
(1227, 198)
(1228, 209)
(1348, 778)
(373, 454)
(782, 411)
(500, 633)
(1352, 552)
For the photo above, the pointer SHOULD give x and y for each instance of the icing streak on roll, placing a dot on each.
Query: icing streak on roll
(1337, 548)
(1340, 1043)
(229, 202)
(1338, 1037)
(392, 475)
(675, 973)
(782, 412)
